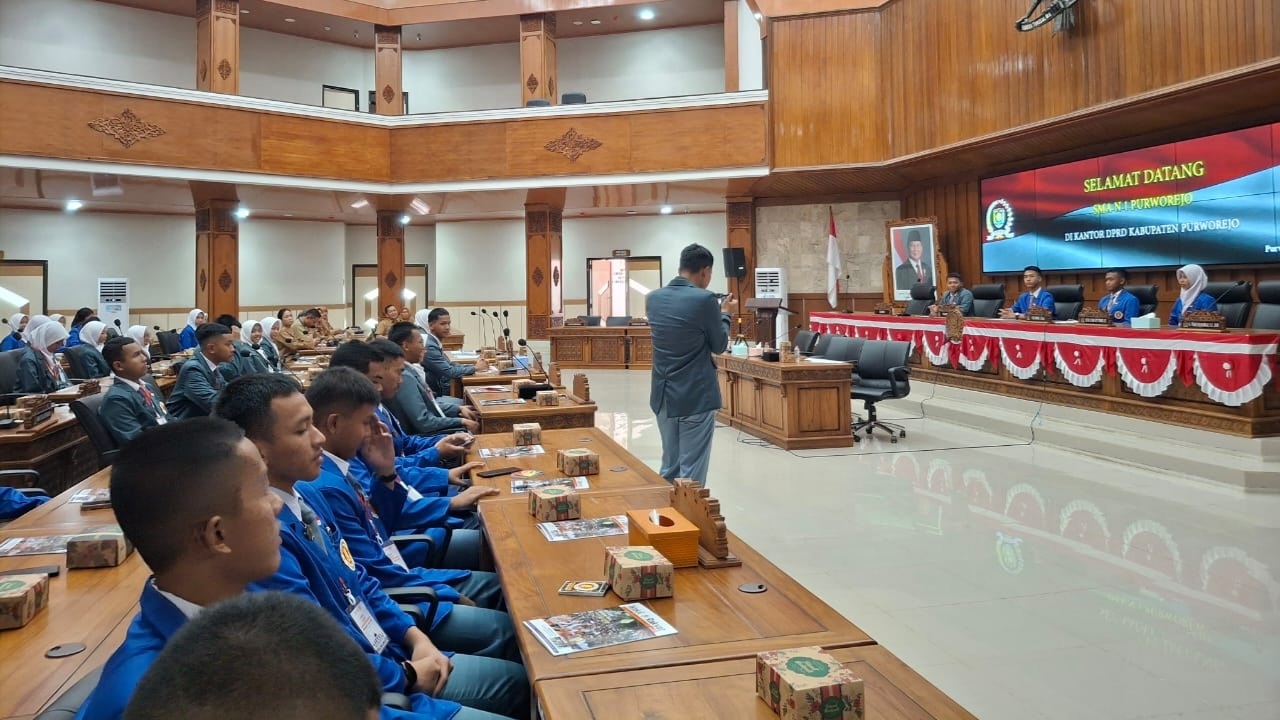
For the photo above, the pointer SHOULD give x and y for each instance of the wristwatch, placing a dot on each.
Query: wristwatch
(388, 479)
(410, 676)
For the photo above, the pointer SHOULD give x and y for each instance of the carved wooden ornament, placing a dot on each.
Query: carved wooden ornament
(573, 144)
(126, 128)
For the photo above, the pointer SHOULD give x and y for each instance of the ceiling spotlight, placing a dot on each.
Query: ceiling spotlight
(244, 12)
(357, 33)
(288, 214)
(632, 212)
(290, 20)
(327, 28)
(577, 22)
(420, 207)
(595, 22)
(666, 210)
(759, 16)
(647, 14)
(404, 219)
(74, 205)
(419, 37)
(359, 204)
(242, 213)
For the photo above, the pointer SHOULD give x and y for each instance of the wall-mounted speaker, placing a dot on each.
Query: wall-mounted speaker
(735, 262)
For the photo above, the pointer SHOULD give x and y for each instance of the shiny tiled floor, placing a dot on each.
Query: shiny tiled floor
(1026, 582)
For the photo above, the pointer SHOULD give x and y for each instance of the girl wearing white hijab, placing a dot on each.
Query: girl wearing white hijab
(249, 358)
(141, 334)
(267, 348)
(195, 319)
(1192, 279)
(17, 325)
(57, 317)
(38, 370)
(93, 335)
(420, 319)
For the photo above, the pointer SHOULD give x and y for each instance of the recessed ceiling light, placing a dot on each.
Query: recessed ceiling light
(577, 22)
(632, 212)
(244, 12)
(666, 210)
(290, 20)
(357, 33)
(595, 22)
(759, 16)
(420, 207)
(404, 219)
(362, 202)
(74, 205)
(327, 28)
(242, 212)
(288, 214)
(647, 14)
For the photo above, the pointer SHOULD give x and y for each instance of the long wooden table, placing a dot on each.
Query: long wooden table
(792, 405)
(58, 449)
(91, 607)
(619, 469)
(569, 413)
(580, 346)
(725, 690)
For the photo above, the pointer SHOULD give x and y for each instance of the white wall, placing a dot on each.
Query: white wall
(664, 235)
(750, 50)
(288, 262)
(99, 39)
(655, 63)
(156, 252)
(293, 69)
(419, 249)
(482, 260)
(483, 77)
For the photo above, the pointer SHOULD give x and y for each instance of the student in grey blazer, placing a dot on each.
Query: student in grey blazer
(689, 325)
(440, 372)
(200, 380)
(132, 403)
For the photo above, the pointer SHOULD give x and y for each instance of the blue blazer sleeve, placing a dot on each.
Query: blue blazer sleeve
(14, 503)
(11, 342)
(1175, 315)
(188, 338)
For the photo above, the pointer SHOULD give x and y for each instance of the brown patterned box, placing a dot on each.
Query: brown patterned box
(104, 549)
(549, 504)
(526, 434)
(638, 572)
(22, 597)
(578, 461)
(547, 398)
(808, 684)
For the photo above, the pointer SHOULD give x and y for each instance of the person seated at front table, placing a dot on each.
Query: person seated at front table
(259, 656)
(93, 335)
(390, 316)
(141, 334)
(38, 370)
(1035, 296)
(1120, 304)
(201, 379)
(957, 294)
(246, 360)
(440, 372)
(132, 403)
(13, 341)
(314, 327)
(1192, 280)
(292, 338)
(192, 497)
(195, 319)
(82, 316)
(415, 405)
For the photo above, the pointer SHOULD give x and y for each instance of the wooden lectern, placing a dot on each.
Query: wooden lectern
(766, 310)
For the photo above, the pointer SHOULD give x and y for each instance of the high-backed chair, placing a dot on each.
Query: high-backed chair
(617, 321)
(882, 374)
(922, 296)
(1068, 300)
(75, 359)
(169, 342)
(573, 98)
(537, 102)
(1147, 295)
(590, 320)
(988, 300)
(86, 412)
(1267, 316)
(823, 343)
(9, 369)
(804, 341)
(845, 349)
(68, 703)
(1234, 301)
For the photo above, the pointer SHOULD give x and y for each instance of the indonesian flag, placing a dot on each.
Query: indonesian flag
(834, 267)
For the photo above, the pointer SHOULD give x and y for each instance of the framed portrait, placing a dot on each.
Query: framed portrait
(912, 257)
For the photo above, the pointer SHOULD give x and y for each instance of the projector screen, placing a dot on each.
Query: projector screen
(1210, 201)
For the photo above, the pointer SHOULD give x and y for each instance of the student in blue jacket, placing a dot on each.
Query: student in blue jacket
(193, 499)
(188, 338)
(81, 317)
(13, 341)
(1035, 296)
(1192, 280)
(1120, 304)
(317, 563)
(259, 656)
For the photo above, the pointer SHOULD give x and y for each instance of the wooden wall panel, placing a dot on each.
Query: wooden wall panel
(317, 148)
(915, 75)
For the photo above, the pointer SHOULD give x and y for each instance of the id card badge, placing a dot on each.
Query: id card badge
(369, 626)
(393, 553)
(413, 492)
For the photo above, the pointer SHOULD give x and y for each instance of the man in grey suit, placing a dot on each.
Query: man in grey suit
(200, 379)
(414, 404)
(689, 324)
(132, 403)
(440, 372)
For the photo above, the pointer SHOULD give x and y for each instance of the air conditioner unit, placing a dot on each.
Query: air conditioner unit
(113, 302)
(772, 283)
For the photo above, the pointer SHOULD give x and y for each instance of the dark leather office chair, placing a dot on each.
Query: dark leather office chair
(77, 369)
(1068, 300)
(882, 374)
(86, 412)
(169, 342)
(617, 321)
(823, 343)
(988, 300)
(9, 369)
(537, 102)
(590, 320)
(1234, 301)
(573, 98)
(1267, 316)
(922, 296)
(1148, 297)
(845, 349)
(68, 703)
(804, 341)
(112, 332)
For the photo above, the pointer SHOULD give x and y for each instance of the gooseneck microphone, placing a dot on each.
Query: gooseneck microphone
(1224, 293)
(533, 355)
(474, 313)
